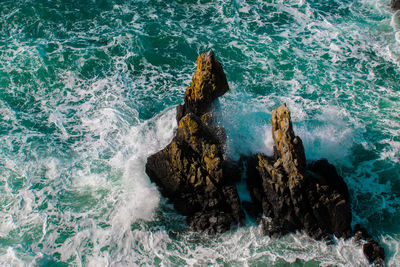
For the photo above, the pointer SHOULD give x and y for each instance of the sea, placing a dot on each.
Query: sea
(88, 90)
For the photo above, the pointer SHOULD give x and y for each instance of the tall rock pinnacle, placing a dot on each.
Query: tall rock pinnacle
(191, 171)
(208, 83)
(287, 146)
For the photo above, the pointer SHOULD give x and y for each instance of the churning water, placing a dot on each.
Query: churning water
(88, 90)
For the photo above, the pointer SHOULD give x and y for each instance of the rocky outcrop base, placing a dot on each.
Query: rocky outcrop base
(371, 249)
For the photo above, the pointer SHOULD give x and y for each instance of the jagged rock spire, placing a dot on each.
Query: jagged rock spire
(288, 147)
(191, 171)
(208, 83)
(295, 196)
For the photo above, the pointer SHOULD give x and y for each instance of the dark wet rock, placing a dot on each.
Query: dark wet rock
(294, 196)
(191, 171)
(395, 4)
(371, 249)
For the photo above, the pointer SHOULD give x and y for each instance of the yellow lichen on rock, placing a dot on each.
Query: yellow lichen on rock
(189, 124)
(201, 87)
(288, 146)
(208, 83)
(191, 170)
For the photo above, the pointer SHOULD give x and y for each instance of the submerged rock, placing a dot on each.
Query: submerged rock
(192, 171)
(371, 249)
(395, 4)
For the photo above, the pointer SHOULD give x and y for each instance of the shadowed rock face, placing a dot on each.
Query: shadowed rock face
(191, 171)
(295, 196)
(395, 4)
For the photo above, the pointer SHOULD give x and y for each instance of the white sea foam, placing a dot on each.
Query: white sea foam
(332, 139)
(77, 191)
(132, 196)
(392, 243)
(9, 258)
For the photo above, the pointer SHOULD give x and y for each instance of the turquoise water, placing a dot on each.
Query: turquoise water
(88, 90)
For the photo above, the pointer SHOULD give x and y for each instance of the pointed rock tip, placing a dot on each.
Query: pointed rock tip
(208, 83)
(288, 146)
(206, 62)
(210, 53)
(279, 111)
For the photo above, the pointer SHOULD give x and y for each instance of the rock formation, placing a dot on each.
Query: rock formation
(287, 193)
(395, 4)
(192, 171)
(294, 196)
(208, 83)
